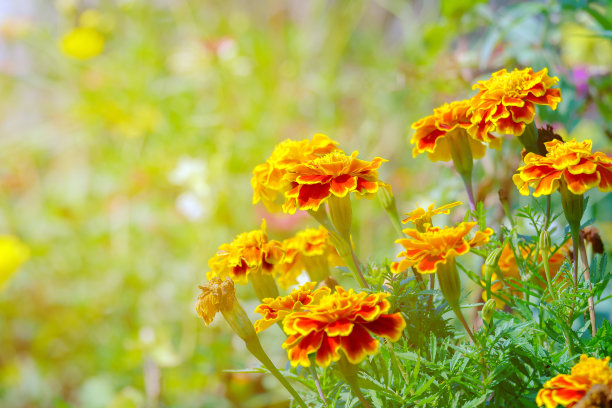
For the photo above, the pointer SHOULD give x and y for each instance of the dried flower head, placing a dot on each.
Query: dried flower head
(343, 320)
(217, 296)
(425, 250)
(567, 389)
(570, 163)
(248, 253)
(275, 310)
(314, 181)
(506, 102)
(268, 180)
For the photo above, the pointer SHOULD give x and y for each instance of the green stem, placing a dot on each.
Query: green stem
(547, 272)
(457, 311)
(587, 275)
(313, 372)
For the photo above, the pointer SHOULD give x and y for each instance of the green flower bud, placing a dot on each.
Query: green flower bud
(488, 310)
(544, 243)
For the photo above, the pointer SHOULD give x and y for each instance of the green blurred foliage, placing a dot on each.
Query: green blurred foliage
(124, 172)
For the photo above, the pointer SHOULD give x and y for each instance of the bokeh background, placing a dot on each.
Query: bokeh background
(129, 130)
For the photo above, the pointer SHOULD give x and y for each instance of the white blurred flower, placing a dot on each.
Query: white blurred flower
(192, 174)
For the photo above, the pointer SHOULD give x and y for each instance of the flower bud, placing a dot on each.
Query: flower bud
(491, 263)
(544, 244)
(488, 310)
(387, 199)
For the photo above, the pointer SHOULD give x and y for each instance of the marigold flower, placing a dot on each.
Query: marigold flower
(421, 218)
(509, 271)
(343, 320)
(570, 163)
(268, 182)
(567, 389)
(425, 250)
(82, 43)
(309, 250)
(13, 254)
(335, 173)
(433, 132)
(506, 102)
(275, 310)
(248, 253)
(217, 296)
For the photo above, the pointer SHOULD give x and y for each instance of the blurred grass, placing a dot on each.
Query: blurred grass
(125, 171)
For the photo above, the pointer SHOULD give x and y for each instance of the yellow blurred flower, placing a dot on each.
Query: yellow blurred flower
(13, 253)
(82, 43)
(421, 218)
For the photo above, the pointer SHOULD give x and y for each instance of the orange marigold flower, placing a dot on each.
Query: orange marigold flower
(249, 252)
(268, 182)
(567, 389)
(275, 310)
(506, 102)
(420, 217)
(425, 250)
(509, 271)
(343, 320)
(217, 296)
(432, 132)
(309, 250)
(335, 173)
(571, 163)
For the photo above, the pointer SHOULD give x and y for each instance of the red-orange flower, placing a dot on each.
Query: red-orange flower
(567, 389)
(571, 163)
(249, 252)
(506, 102)
(275, 310)
(309, 250)
(335, 173)
(425, 250)
(433, 132)
(268, 182)
(343, 320)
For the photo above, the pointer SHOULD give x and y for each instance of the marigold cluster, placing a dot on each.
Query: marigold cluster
(569, 163)
(268, 182)
(314, 181)
(567, 389)
(248, 253)
(506, 102)
(425, 250)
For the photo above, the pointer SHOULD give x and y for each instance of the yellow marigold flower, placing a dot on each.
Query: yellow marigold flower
(268, 182)
(570, 163)
(567, 389)
(421, 218)
(82, 43)
(343, 320)
(314, 181)
(506, 102)
(248, 253)
(434, 132)
(275, 310)
(510, 275)
(217, 296)
(13, 253)
(426, 250)
(310, 250)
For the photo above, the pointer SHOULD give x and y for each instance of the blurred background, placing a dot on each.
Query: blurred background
(129, 130)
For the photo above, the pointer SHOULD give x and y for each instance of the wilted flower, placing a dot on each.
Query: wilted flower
(314, 181)
(82, 43)
(434, 133)
(570, 164)
(13, 253)
(567, 389)
(309, 250)
(248, 253)
(268, 178)
(506, 102)
(343, 320)
(426, 250)
(217, 296)
(275, 310)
